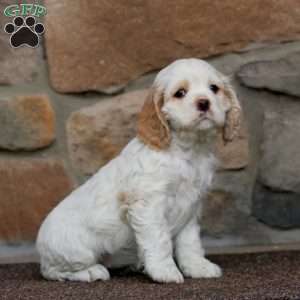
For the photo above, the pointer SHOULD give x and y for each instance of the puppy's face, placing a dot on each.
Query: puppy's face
(189, 95)
(194, 95)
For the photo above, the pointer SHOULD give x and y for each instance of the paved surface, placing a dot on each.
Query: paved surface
(248, 276)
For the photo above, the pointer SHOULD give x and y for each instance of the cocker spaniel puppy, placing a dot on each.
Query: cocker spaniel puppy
(140, 210)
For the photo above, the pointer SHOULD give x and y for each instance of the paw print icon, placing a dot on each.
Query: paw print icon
(24, 32)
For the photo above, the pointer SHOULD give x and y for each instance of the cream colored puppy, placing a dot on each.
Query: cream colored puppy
(140, 209)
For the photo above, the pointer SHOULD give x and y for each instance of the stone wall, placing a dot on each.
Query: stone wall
(60, 122)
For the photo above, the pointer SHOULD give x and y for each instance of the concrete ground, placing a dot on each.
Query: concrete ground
(270, 275)
(251, 240)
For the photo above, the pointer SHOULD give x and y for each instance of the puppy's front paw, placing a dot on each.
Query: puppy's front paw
(165, 272)
(201, 268)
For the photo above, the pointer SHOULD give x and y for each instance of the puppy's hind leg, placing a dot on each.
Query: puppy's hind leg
(89, 274)
(80, 266)
(93, 273)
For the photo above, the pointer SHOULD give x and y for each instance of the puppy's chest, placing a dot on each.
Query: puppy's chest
(188, 180)
(185, 189)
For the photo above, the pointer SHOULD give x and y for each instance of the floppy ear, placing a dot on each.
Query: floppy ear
(152, 127)
(233, 116)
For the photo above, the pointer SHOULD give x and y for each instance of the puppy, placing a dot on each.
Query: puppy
(140, 210)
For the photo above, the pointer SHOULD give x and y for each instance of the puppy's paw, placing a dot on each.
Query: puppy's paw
(202, 268)
(98, 272)
(165, 273)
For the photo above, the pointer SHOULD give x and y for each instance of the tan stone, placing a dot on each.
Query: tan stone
(234, 155)
(29, 189)
(105, 44)
(97, 134)
(26, 122)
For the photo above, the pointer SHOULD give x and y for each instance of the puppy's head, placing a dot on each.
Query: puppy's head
(190, 95)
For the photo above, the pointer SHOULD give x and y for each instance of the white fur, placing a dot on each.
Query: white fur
(140, 209)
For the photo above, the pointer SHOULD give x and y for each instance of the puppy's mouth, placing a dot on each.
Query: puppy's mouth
(205, 117)
(207, 121)
(204, 122)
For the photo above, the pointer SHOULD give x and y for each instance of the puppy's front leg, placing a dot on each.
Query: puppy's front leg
(154, 241)
(190, 254)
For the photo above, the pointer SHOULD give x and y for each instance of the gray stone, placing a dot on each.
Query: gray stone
(281, 75)
(220, 215)
(20, 65)
(280, 163)
(234, 155)
(26, 122)
(278, 209)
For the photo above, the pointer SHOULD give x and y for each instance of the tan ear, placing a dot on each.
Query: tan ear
(152, 127)
(233, 116)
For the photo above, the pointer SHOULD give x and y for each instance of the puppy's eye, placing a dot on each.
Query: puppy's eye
(180, 93)
(214, 88)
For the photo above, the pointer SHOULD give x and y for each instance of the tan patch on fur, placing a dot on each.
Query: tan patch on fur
(123, 199)
(152, 128)
(183, 84)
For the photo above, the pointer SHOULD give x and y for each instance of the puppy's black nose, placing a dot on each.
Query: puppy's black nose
(203, 105)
